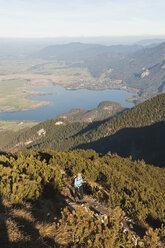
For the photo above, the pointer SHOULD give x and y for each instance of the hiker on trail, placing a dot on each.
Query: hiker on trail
(78, 184)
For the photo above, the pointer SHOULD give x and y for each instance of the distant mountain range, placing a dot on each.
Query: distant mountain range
(144, 70)
(151, 42)
(138, 132)
(138, 67)
(80, 51)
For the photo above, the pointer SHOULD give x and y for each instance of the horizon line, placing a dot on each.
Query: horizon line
(100, 36)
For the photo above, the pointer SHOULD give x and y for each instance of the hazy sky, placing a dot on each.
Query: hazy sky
(54, 18)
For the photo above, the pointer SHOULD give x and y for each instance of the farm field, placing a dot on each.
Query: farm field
(16, 125)
(14, 95)
(17, 76)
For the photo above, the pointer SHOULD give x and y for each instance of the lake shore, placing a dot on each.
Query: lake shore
(59, 100)
(30, 81)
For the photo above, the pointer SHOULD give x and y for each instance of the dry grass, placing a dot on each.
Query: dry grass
(19, 228)
(28, 226)
(6, 203)
(46, 230)
(24, 214)
(60, 234)
(14, 232)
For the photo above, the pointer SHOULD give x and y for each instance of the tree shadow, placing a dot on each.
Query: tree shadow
(145, 143)
(26, 229)
(4, 238)
(95, 124)
(3, 153)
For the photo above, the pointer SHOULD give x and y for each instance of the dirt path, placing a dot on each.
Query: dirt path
(95, 209)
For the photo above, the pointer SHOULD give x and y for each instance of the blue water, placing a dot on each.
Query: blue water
(64, 100)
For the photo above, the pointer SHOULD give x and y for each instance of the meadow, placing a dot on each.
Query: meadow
(16, 125)
(17, 76)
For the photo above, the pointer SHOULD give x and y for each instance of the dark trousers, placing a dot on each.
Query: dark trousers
(79, 192)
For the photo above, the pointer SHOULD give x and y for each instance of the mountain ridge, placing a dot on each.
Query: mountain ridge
(78, 50)
(104, 110)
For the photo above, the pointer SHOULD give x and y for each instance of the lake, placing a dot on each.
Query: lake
(64, 100)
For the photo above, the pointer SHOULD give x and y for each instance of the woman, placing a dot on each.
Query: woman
(78, 184)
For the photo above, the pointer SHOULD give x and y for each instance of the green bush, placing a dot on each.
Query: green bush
(24, 177)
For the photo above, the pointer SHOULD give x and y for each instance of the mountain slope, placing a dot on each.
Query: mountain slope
(62, 135)
(104, 110)
(145, 143)
(146, 70)
(60, 127)
(143, 70)
(33, 200)
(144, 114)
(78, 51)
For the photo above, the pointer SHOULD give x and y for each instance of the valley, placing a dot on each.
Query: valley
(134, 68)
(14, 87)
(46, 83)
(82, 124)
(100, 110)
(61, 101)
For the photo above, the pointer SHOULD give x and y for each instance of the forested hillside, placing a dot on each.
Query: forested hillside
(32, 184)
(141, 143)
(103, 111)
(138, 132)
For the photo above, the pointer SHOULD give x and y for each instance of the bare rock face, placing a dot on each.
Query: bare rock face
(59, 123)
(145, 74)
(41, 132)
